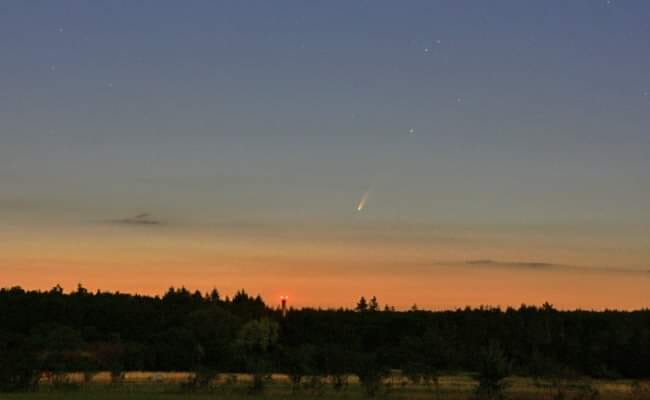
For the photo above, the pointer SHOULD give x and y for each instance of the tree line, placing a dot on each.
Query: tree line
(54, 332)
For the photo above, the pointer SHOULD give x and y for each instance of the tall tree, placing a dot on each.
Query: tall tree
(373, 305)
(362, 305)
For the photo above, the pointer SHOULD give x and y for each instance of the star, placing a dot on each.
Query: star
(411, 131)
(426, 49)
(60, 30)
(438, 41)
(458, 100)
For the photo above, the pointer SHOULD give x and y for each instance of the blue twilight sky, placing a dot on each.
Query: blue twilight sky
(243, 114)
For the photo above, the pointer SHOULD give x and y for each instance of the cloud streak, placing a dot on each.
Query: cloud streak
(514, 264)
(138, 219)
(540, 266)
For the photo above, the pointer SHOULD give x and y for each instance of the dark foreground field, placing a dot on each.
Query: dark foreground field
(457, 387)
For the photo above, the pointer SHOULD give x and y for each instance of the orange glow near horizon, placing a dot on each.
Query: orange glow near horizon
(331, 152)
(446, 288)
(333, 268)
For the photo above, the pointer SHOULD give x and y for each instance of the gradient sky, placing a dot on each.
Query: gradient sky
(504, 148)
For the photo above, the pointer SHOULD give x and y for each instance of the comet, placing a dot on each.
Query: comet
(362, 202)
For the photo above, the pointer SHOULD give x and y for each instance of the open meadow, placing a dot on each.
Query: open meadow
(170, 386)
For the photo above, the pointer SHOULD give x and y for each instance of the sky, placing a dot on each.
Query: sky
(442, 153)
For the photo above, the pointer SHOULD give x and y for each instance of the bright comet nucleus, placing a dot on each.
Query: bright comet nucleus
(362, 202)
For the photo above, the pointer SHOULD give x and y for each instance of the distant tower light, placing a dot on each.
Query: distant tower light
(284, 305)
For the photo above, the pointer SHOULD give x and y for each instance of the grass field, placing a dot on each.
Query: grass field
(167, 386)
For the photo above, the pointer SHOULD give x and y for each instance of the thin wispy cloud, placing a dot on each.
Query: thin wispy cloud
(138, 219)
(514, 264)
(539, 266)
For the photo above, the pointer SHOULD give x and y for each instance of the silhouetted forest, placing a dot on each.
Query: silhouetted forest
(52, 331)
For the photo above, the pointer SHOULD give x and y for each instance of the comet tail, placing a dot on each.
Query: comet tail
(362, 202)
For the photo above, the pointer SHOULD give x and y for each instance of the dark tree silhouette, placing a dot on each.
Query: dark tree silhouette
(55, 332)
(362, 305)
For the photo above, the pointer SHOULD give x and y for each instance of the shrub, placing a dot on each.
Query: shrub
(117, 376)
(18, 364)
(296, 380)
(560, 382)
(339, 382)
(420, 373)
(315, 385)
(258, 384)
(230, 383)
(371, 376)
(296, 361)
(494, 367)
(200, 379)
(640, 391)
(587, 392)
